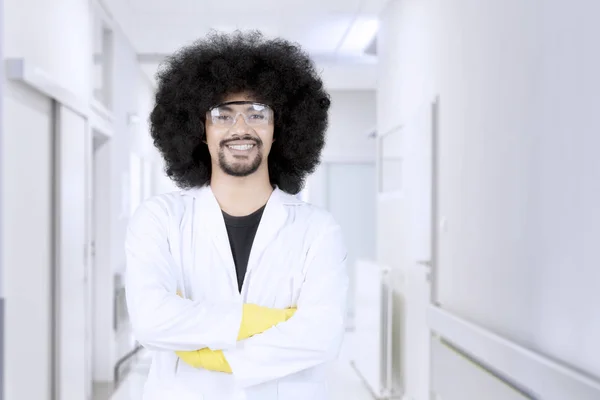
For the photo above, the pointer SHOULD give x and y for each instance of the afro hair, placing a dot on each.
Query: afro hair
(274, 71)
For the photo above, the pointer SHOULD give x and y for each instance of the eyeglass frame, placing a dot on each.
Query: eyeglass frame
(270, 121)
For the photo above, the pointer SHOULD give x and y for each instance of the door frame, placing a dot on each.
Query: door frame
(99, 231)
(435, 199)
(57, 277)
(422, 272)
(1, 206)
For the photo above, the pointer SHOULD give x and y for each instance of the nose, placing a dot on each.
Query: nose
(240, 126)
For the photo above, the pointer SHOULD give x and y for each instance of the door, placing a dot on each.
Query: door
(1, 219)
(102, 273)
(421, 182)
(26, 158)
(71, 315)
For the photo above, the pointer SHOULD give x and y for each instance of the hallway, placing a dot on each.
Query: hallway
(459, 159)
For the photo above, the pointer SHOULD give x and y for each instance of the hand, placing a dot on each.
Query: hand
(212, 360)
(257, 319)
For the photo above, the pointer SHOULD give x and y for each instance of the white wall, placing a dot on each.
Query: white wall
(62, 31)
(351, 116)
(519, 172)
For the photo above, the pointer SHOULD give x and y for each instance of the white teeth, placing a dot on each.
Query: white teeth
(241, 147)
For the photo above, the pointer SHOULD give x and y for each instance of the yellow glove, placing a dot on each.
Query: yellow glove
(212, 360)
(257, 319)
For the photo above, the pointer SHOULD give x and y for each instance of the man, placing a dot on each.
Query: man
(237, 287)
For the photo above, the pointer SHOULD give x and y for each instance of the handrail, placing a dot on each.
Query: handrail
(123, 360)
(541, 375)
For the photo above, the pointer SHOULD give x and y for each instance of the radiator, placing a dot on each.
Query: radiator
(379, 327)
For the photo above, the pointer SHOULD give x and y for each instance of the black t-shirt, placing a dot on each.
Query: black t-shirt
(241, 232)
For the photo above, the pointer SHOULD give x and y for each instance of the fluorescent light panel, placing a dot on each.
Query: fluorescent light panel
(361, 34)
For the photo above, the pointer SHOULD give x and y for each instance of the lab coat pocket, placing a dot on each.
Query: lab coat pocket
(301, 391)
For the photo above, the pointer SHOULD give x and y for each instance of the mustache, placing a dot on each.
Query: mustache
(256, 140)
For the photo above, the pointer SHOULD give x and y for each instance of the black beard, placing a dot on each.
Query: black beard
(239, 170)
(243, 169)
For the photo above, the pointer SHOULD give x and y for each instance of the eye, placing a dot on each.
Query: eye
(257, 116)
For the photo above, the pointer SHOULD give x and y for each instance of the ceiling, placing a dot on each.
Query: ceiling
(337, 33)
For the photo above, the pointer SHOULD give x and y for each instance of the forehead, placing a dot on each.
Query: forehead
(239, 97)
(225, 103)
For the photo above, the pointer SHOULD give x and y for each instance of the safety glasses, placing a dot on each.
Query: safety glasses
(226, 114)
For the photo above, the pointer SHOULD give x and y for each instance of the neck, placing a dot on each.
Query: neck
(239, 196)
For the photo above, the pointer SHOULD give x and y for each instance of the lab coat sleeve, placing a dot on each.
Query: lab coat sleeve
(160, 319)
(313, 336)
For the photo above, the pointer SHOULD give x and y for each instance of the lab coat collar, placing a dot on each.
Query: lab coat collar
(278, 195)
(211, 222)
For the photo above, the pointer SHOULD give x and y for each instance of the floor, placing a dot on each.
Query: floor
(345, 383)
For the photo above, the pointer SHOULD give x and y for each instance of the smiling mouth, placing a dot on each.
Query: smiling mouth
(241, 147)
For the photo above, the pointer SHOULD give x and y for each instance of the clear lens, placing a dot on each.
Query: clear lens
(255, 114)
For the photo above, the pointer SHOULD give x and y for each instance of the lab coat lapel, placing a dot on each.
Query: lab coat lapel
(272, 221)
(212, 223)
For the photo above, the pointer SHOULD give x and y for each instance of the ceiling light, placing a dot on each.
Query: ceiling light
(360, 35)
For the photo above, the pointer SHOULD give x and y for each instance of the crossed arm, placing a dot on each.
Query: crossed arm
(255, 320)
(162, 320)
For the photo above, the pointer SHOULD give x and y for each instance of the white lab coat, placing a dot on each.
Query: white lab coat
(178, 241)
